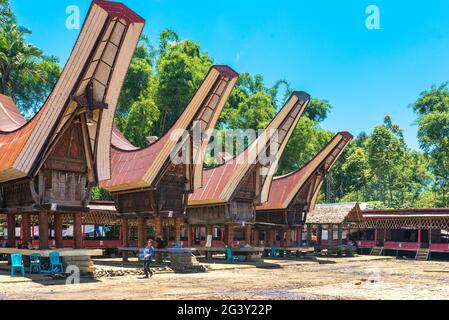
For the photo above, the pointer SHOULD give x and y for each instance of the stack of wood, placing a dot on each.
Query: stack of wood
(185, 262)
(84, 263)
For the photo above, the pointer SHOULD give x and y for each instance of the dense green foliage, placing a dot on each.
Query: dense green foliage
(377, 167)
(26, 74)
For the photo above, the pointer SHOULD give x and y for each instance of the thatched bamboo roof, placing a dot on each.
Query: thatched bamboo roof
(335, 214)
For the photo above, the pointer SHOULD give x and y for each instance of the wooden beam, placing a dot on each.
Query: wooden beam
(59, 243)
(177, 230)
(77, 231)
(11, 225)
(43, 230)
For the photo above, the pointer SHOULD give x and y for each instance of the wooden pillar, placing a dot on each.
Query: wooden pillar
(142, 231)
(59, 242)
(288, 240)
(419, 237)
(248, 232)
(256, 240)
(375, 237)
(43, 230)
(191, 235)
(124, 232)
(430, 238)
(77, 231)
(230, 235)
(319, 234)
(158, 226)
(299, 236)
(330, 235)
(340, 234)
(26, 228)
(209, 230)
(272, 236)
(309, 234)
(177, 230)
(11, 221)
(281, 237)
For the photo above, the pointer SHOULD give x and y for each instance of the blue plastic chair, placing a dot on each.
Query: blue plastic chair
(17, 263)
(55, 263)
(35, 263)
(274, 251)
(229, 256)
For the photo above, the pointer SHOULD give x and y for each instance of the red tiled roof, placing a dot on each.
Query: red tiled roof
(282, 187)
(15, 133)
(119, 141)
(118, 9)
(217, 179)
(10, 117)
(130, 165)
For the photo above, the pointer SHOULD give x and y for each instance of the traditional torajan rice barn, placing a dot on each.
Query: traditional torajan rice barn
(418, 232)
(332, 224)
(150, 185)
(232, 190)
(49, 164)
(280, 219)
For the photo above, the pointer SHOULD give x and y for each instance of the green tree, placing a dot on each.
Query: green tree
(26, 74)
(138, 81)
(432, 109)
(139, 123)
(181, 67)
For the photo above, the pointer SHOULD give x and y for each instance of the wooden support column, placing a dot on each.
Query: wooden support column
(256, 241)
(288, 240)
(124, 232)
(230, 235)
(319, 235)
(142, 231)
(43, 230)
(158, 226)
(272, 236)
(330, 235)
(375, 237)
(77, 231)
(299, 236)
(340, 234)
(191, 235)
(59, 242)
(11, 221)
(309, 234)
(177, 230)
(248, 233)
(26, 228)
(209, 230)
(281, 237)
(419, 237)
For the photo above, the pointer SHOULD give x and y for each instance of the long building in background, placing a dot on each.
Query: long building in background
(49, 164)
(281, 218)
(227, 201)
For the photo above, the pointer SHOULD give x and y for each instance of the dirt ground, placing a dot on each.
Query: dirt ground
(356, 278)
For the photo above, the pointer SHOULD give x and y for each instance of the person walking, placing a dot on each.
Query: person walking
(147, 259)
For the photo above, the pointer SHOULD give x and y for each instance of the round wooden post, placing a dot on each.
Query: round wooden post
(124, 232)
(248, 232)
(77, 231)
(330, 235)
(43, 230)
(272, 236)
(288, 239)
(59, 242)
(142, 231)
(11, 221)
(230, 235)
(256, 237)
(177, 230)
(299, 236)
(340, 234)
(26, 228)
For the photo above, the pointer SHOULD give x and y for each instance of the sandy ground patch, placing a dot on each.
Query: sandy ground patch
(359, 278)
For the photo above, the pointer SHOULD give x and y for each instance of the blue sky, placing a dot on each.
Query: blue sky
(322, 47)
